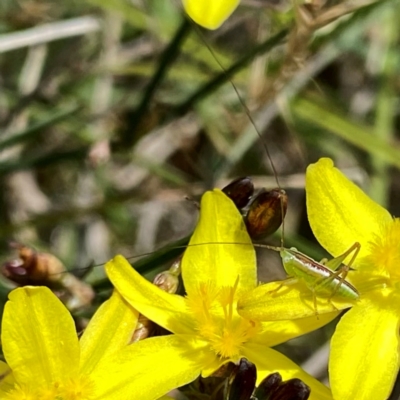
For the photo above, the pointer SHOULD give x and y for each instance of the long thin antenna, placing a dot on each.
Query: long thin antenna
(250, 117)
(253, 123)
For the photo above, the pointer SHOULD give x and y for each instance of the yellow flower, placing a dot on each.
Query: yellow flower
(210, 13)
(207, 330)
(46, 359)
(364, 358)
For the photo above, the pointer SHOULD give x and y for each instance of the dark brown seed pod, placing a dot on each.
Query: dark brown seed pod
(266, 213)
(293, 389)
(273, 388)
(240, 191)
(242, 381)
(268, 386)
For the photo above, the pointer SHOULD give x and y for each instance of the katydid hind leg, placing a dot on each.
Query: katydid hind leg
(344, 269)
(337, 262)
(339, 275)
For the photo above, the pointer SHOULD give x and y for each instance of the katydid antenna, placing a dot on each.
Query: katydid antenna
(250, 117)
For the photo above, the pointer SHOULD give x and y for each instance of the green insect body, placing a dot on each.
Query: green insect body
(320, 279)
(324, 279)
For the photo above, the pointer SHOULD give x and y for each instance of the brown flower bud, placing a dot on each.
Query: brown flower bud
(36, 268)
(240, 191)
(32, 268)
(144, 329)
(266, 213)
(169, 280)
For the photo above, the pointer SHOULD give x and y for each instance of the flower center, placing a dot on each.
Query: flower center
(384, 255)
(218, 322)
(81, 388)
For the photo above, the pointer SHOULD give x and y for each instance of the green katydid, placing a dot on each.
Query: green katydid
(325, 279)
(265, 213)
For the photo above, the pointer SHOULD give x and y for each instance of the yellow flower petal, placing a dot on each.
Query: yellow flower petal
(151, 368)
(7, 380)
(339, 212)
(274, 332)
(222, 264)
(210, 13)
(269, 361)
(110, 329)
(39, 338)
(364, 357)
(167, 310)
(273, 302)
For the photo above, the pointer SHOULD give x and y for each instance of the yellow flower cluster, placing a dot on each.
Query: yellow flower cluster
(223, 317)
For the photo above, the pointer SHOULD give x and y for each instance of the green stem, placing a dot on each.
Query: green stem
(167, 59)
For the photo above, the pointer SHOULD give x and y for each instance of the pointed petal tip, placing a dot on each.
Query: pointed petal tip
(117, 261)
(325, 162)
(322, 163)
(226, 250)
(340, 213)
(210, 14)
